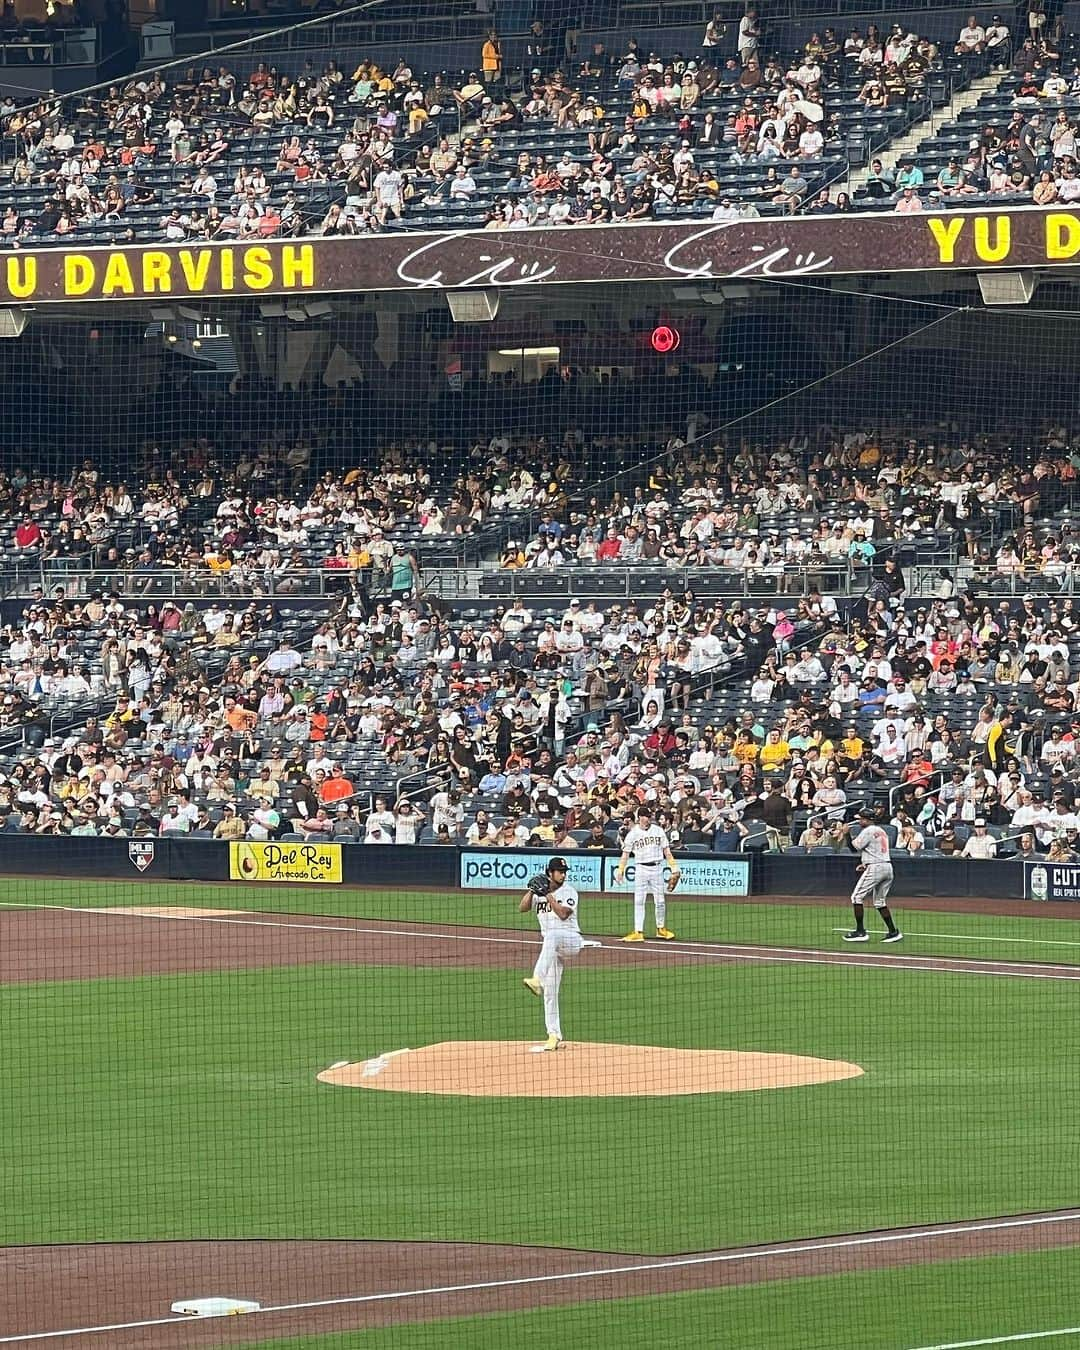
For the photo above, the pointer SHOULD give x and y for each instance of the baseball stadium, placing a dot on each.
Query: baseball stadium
(522, 723)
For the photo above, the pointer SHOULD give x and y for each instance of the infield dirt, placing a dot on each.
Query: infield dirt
(580, 1069)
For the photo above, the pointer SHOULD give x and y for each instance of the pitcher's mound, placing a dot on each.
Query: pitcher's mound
(580, 1069)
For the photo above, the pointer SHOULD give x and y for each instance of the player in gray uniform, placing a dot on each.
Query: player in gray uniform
(557, 914)
(875, 870)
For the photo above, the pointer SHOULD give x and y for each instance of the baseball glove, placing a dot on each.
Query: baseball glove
(674, 879)
(540, 884)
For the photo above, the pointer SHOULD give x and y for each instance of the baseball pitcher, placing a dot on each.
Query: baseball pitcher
(555, 903)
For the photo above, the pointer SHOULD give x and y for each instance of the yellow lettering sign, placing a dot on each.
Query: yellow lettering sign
(156, 272)
(1062, 235)
(996, 249)
(946, 233)
(78, 274)
(118, 276)
(298, 265)
(196, 268)
(21, 277)
(285, 862)
(228, 274)
(258, 270)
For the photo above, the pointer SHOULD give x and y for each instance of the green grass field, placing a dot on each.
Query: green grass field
(203, 1089)
(186, 1106)
(914, 1308)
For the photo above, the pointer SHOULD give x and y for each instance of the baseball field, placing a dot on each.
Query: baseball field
(324, 1100)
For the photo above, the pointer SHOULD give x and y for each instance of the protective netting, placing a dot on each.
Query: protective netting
(368, 679)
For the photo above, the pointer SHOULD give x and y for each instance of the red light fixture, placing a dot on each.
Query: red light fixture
(664, 339)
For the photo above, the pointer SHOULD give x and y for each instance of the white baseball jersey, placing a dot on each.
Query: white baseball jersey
(548, 920)
(647, 846)
(872, 844)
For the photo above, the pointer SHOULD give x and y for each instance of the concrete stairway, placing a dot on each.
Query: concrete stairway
(908, 143)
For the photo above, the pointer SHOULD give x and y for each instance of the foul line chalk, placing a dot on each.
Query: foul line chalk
(678, 1263)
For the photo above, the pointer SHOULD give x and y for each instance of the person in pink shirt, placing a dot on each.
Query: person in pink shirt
(783, 631)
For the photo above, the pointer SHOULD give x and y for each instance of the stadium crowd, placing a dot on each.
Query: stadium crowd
(400, 719)
(259, 522)
(223, 152)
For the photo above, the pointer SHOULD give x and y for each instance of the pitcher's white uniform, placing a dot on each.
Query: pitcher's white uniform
(562, 942)
(874, 881)
(648, 847)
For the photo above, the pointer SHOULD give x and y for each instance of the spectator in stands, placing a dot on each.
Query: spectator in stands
(972, 39)
(998, 41)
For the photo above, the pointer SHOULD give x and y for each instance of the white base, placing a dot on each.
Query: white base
(214, 1307)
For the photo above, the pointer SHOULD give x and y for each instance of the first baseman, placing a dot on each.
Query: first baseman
(555, 902)
(651, 849)
(875, 869)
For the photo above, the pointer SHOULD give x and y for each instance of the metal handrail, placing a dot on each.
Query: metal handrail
(898, 787)
(848, 579)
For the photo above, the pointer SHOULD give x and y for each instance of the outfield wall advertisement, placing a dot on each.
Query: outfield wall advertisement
(508, 870)
(699, 876)
(425, 867)
(1051, 881)
(285, 862)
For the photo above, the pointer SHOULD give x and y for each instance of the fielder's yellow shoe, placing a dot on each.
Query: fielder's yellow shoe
(635, 936)
(533, 986)
(552, 1043)
(665, 933)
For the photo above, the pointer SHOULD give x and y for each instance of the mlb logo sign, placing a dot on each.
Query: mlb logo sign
(141, 853)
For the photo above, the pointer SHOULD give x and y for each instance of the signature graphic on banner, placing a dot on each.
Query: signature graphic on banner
(448, 263)
(497, 271)
(767, 264)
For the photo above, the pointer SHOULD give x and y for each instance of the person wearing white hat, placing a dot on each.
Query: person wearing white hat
(980, 843)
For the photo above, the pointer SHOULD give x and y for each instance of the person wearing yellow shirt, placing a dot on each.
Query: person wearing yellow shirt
(851, 747)
(121, 714)
(774, 753)
(491, 58)
(995, 744)
(231, 825)
(745, 749)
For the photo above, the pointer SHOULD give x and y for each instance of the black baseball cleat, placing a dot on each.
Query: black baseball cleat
(857, 935)
(895, 936)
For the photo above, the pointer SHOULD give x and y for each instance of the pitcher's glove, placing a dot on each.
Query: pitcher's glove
(674, 879)
(540, 884)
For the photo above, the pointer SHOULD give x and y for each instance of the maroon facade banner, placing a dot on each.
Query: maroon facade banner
(788, 247)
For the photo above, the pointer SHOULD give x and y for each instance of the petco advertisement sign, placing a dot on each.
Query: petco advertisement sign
(700, 876)
(507, 870)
